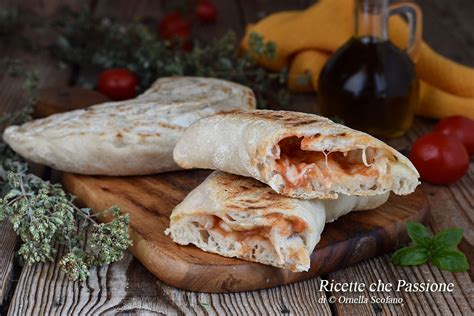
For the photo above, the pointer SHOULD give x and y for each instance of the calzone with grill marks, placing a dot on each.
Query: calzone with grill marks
(240, 217)
(298, 154)
(129, 137)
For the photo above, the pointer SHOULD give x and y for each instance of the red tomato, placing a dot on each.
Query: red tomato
(440, 159)
(206, 11)
(460, 127)
(175, 26)
(118, 84)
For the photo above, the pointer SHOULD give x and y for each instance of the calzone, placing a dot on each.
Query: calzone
(298, 154)
(240, 217)
(130, 137)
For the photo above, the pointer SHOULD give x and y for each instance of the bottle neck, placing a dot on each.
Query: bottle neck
(370, 19)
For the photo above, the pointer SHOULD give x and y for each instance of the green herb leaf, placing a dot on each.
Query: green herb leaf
(441, 249)
(419, 233)
(448, 238)
(411, 256)
(451, 260)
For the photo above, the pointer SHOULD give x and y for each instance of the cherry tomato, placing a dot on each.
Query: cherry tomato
(460, 127)
(118, 84)
(440, 159)
(206, 11)
(175, 27)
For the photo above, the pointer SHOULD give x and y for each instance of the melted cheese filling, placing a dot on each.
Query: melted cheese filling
(299, 167)
(276, 230)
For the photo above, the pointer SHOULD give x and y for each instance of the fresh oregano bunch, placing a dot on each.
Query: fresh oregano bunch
(44, 216)
(440, 249)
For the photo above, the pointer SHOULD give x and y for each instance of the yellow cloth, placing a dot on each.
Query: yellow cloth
(305, 39)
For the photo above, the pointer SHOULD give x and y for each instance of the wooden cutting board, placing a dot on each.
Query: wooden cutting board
(150, 199)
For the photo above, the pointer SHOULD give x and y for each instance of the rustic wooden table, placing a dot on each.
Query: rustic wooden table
(127, 287)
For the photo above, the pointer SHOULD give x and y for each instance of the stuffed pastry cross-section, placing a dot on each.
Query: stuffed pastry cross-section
(240, 217)
(298, 154)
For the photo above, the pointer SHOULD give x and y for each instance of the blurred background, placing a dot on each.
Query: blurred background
(448, 26)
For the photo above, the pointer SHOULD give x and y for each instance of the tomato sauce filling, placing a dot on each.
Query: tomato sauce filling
(287, 227)
(298, 167)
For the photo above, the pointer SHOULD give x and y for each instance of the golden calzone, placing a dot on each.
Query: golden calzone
(298, 154)
(240, 217)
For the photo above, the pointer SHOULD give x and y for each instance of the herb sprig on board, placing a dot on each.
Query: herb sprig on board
(440, 249)
(84, 39)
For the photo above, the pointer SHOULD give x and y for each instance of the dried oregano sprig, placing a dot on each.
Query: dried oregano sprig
(44, 216)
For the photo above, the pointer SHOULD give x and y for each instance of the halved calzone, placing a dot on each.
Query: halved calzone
(240, 217)
(298, 154)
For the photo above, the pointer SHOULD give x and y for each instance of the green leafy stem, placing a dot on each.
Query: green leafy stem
(440, 249)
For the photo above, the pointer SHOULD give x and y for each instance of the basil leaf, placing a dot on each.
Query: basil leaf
(419, 233)
(448, 238)
(451, 260)
(410, 256)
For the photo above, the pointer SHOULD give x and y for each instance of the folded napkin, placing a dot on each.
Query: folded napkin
(305, 40)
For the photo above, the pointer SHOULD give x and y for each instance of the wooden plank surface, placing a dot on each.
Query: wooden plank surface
(127, 287)
(7, 253)
(427, 303)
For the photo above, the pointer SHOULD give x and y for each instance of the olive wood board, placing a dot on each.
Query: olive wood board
(150, 199)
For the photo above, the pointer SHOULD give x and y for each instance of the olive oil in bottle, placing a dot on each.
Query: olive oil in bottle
(369, 83)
